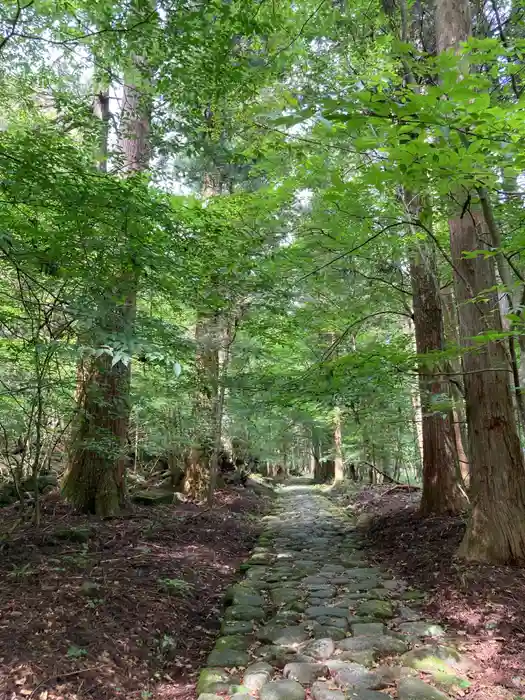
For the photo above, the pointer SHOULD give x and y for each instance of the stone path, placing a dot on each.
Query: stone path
(312, 619)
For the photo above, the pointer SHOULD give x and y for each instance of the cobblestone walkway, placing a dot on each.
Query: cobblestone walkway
(312, 620)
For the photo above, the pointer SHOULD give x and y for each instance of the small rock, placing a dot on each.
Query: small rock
(368, 629)
(283, 636)
(381, 609)
(444, 664)
(394, 584)
(257, 675)
(390, 645)
(213, 680)
(428, 657)
(332, 569)
(244, 599)
(322, 593)
(228, 657)
(378, 594)
(314, 581)
(233, 641)
(304, 673)
(407, 614)
(412, 595)
(244, 613)
(90, 589)
(366, 657)
(321, 649)
(282, 690)
(364, 585)
(326, 611)
(357, 643)
(280, 596)
(260, 559)
(389, 674)
(230, 627)
(339, 622)
(422, 629)
(335, 633)
(416, 689)
(358, 619)
(153, 497)
(383, 644)
(350, 675)
(323, 691)
(285, 617)
(359, 573)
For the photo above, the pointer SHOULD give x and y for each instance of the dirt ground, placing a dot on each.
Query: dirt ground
(483, 605)
(129, 609)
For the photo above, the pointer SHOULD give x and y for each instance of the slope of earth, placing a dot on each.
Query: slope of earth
(124, 608)
(484, 605)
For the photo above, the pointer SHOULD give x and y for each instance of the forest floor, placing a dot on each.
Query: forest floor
(483, 604)
(125, 608)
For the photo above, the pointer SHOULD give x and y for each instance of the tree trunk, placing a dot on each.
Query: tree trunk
(455, 368)
(415, 399)
(316, 460)
(208, 334)
(339, 469)
(102, 112)
(227, 337)
(453, 23)
(496, 529)
(95, 479)
(441, 493)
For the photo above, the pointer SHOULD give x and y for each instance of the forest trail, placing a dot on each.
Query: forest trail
(312, 619)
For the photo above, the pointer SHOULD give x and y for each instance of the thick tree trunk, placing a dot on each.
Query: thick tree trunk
(95, 479)
(496, 529)
(453, 23)
(227, 338)
(441, 493)
(455, 369)
(208, 332)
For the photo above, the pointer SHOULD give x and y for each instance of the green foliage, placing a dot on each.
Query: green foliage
(175, 585)
(302, 118)
(75, 652)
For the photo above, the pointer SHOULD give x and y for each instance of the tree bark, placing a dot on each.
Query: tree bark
(441, 493)
(95, 479)
(317, 470)
(339, 469)
(208, 334)
(496, 529)
(223, 360)
(455, 369)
